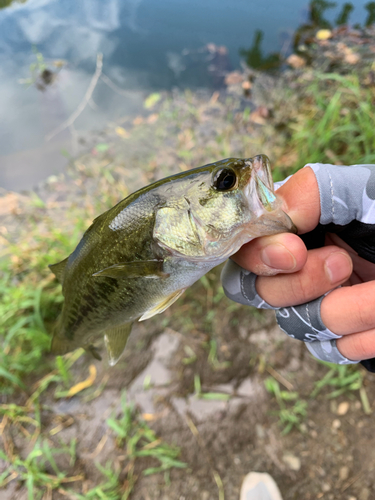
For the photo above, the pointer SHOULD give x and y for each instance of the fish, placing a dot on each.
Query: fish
(137, 258)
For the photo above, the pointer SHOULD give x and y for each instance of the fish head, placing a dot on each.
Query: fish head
(227, 203)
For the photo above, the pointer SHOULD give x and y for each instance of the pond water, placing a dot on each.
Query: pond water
(146, 46)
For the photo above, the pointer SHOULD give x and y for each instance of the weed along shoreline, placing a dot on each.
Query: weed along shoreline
(210, 389)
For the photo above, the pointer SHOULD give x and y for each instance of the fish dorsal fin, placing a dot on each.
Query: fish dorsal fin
(59, 269)
(178, 231)
(115, 341)
(136, 269)
(163, 305)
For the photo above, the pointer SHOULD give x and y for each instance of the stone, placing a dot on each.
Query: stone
(326, 487)
(293, 462)
(365, 494)
(343, 408)
(344, 473)
(336, 424)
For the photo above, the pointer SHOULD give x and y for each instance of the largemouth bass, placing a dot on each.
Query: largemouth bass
(137, 258)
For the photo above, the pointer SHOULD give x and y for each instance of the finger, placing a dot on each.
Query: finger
(270, 255)
(350, 309)
(358, 346)
(325, 269)
(301, 199)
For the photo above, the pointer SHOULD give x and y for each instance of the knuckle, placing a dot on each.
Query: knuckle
(358, 347)
(302, 288)
(364, 318)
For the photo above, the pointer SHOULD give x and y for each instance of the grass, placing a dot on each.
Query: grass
(292, 409)
(30, 299)
(141, 442)
(343, 379)
(38, 470)
(331, 123)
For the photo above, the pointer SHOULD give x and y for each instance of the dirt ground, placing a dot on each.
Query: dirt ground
(230, 423)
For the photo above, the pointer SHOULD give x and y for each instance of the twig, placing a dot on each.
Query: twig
(288, 385)
(99, 447)
(72, 118)
(114, 87)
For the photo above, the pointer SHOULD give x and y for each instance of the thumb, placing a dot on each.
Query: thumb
(301, 199)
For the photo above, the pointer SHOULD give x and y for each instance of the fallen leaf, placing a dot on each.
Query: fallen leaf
(323, 34)
(152, 118)
(101, 148)
(151, 100)
(120, 131)
(234, 78)
(296, 61)
(352, 58)
(85, 384)
(138, 120)
(9, 203)
(214, 97)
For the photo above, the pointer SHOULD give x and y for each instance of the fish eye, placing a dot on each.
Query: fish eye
(225, 179)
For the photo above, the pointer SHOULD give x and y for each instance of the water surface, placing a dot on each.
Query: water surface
(146, 46)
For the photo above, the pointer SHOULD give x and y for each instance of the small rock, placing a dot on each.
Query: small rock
(352, 498)
(343, 408)
(260, 432)
(365, 494)
(293, 462)
(303, 428)
(205, 495)
(336, 424)
(344, 472)
(326, 487)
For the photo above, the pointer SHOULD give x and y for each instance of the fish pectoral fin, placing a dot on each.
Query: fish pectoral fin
(163, 305)
(135, 269)
(115, 341)
(59, 269)
(177, 230)
(94, 352)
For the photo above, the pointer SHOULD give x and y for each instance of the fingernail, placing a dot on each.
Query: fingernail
(278, 257)
(338, 267)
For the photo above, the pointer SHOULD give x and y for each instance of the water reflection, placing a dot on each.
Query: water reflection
(146, 46)
(7, 3)
(256, 58)
(317, 20)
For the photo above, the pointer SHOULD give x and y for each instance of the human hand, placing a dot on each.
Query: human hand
(289, 274)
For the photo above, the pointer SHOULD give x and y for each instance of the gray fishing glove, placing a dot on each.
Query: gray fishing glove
(347, 202)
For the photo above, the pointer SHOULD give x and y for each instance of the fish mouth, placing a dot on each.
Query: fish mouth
(260, 194)
(278, 222)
